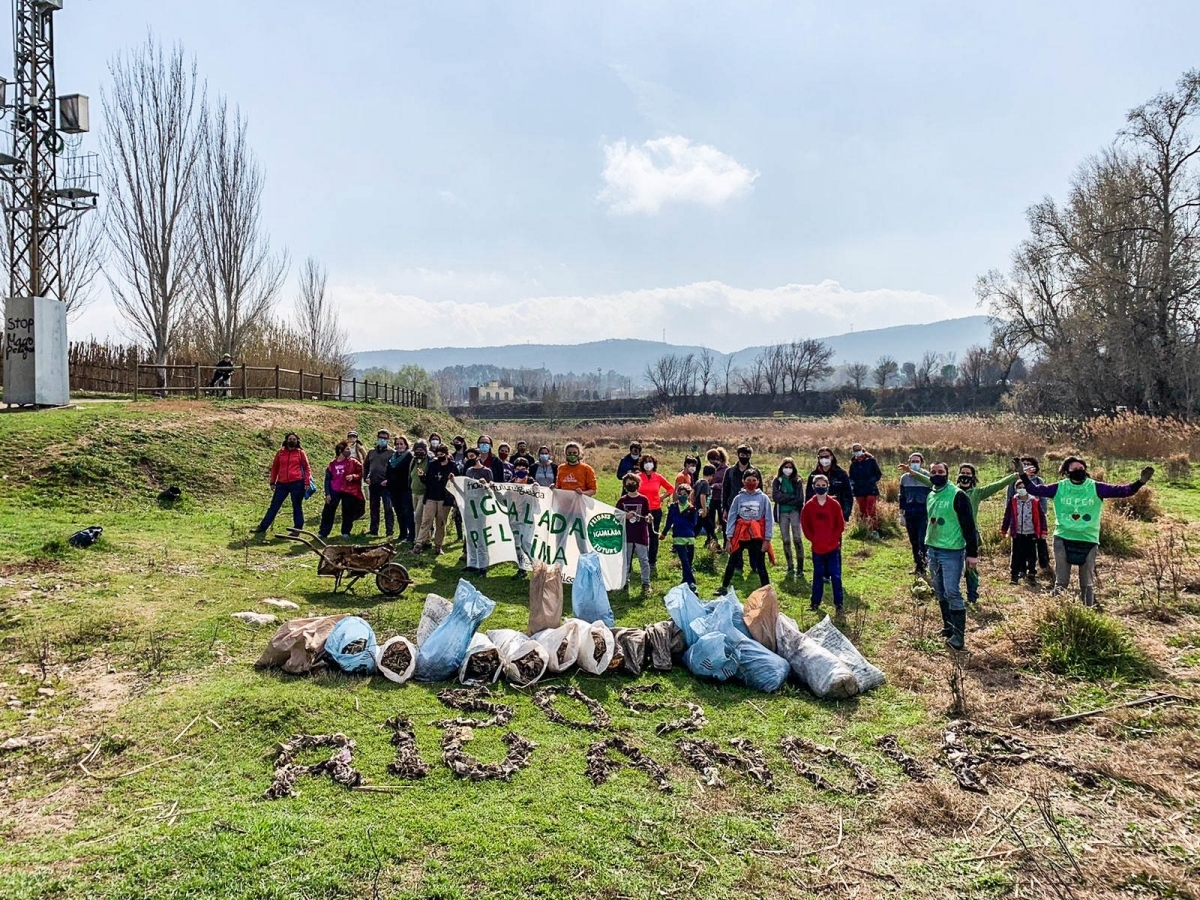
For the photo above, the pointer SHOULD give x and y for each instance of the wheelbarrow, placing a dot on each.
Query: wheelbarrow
(354, 562)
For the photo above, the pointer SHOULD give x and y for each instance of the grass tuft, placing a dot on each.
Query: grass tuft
(1084, 643)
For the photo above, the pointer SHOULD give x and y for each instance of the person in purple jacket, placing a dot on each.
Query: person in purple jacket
(1078, 500)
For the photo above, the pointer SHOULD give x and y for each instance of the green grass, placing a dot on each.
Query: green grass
(146, 613)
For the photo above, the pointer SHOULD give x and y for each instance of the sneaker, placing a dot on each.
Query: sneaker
(439, 552)
(521, 575)
(791, 573)
(721, 591)
(1031, 580)
(645, 587)
(875, 535)
(839, 609)
(814, 607)
(1014, 580)
(417, 550)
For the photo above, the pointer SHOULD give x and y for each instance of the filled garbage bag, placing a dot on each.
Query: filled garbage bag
(709, 656)
(761, 615)
(299, 644)
(351, 646)
(396, 659)
(443, 652)
(737, 611)
(481, 665)
(433, 614)
(632, 648)
(522, 658)
(545, 597)
(684, 607)
(562, 645)
(818, 669)
(665, 644)
(828, 636)
(757, 666)
(597, 646)
(589, 597)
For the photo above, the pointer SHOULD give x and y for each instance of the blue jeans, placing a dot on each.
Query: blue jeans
(946, 571)
(686, 553)
(283, 490)
(827, 565)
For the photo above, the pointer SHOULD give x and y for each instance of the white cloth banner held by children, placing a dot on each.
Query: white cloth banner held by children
(528, 523)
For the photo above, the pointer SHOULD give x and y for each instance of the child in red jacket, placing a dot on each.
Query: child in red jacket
(1025, 523)
(822, 522)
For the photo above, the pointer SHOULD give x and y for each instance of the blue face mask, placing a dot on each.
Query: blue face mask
(485, 448)
(544, 458)
(820, 489)
(381, 443)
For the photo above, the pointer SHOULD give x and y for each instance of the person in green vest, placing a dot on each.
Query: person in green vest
(1078, 501)
(952, 543)
(968, 483)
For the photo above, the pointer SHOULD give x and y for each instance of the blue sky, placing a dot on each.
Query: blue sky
(731, 173)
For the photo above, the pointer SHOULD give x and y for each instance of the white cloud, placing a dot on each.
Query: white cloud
(706, 313)
(643, 179)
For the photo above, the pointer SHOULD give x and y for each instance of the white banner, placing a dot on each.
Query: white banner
(528, 523)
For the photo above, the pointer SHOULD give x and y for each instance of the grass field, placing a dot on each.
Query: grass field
(154, 734)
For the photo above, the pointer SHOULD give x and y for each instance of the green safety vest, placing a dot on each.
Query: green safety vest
(944, 531)
(1077, 512)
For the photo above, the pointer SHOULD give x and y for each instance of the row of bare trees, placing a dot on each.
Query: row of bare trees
(189, 255)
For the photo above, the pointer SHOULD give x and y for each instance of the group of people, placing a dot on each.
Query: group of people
(728, 504)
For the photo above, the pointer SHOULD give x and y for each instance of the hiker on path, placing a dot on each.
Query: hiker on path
(840, 488)
(631, 462)
(290, 477)
(223, 374)
(1078, 501)
(913, 496)
(968, 482)
(951, 543)
(824, 525)
(1031, 466)
(343, 487)
(787, 492)
(376, 467)
(399, 487)
(750, 528)
(865, 475)
(682, 519)
(657, 490)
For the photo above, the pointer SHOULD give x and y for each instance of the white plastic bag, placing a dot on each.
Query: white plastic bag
(485, 667)
(397, 675)
(523, 659)
(435, 612)
(828, 636)
(596, 646)
(818, 669)
(562, 645)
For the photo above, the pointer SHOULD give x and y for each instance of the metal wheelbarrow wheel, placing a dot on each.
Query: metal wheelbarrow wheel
(392, 580)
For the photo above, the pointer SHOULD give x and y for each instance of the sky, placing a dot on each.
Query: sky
(722, 174)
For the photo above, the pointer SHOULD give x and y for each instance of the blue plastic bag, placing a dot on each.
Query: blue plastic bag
(344, 633)
(684, 607)
(443, 652)
(738, 610)
(709, 656)
(757, 666)
(310, 489)
(589, 598)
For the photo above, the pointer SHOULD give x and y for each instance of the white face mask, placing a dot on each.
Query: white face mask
(825, 462)
(649, 467)
(915, 465)
(435, 443)
(787, 473)
(1022, 493)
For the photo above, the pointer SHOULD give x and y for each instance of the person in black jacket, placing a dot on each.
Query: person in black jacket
(437, 501)
(731, 486)
(400, 487)
(840, 488)
(865, 475)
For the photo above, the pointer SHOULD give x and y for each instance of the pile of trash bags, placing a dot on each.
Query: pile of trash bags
(721, 640)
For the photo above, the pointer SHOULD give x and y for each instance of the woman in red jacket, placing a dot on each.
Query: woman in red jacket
(290, 475)
(655, 488)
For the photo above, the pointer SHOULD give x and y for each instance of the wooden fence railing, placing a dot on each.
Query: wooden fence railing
(265, 381)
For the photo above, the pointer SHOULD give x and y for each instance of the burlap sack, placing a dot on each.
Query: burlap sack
(545, 598)
(298, 644)
(761, 615)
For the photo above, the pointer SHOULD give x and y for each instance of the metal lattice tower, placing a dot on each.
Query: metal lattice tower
(34, 229)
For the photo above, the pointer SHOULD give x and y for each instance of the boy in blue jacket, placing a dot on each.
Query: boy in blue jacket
(682, 520)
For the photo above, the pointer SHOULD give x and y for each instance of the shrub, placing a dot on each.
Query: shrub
(851, 408)
(1133, 436)
(888, 523)
(1084, 643)
(1142, 506)
(1179, 467)
(1117, 537)
(889, 490)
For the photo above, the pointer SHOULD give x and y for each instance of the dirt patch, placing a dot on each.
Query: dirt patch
(544, 700)
(41, 816)
(339, 767)
(462, 764)
(473, 700)
(600, 767)
(408, 763)
(30, 567)
(705, 756)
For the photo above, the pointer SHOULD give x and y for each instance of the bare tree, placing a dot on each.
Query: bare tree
(728, 375)
(706, 369)
(83, 250)
(857, 373)
(151, 153)
(974, 369)
(930, 363)
(808, 364)
(317, 318)
(663, 375)
(909, 369)
(237, 277)
(886, 370)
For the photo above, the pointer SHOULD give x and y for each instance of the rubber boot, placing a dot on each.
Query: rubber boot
(958, 621)
(947, 628)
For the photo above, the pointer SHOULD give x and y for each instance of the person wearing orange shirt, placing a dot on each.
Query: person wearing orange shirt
(656, 489)
(576, 475)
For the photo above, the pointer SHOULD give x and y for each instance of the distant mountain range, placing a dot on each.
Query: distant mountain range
(630, 357)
